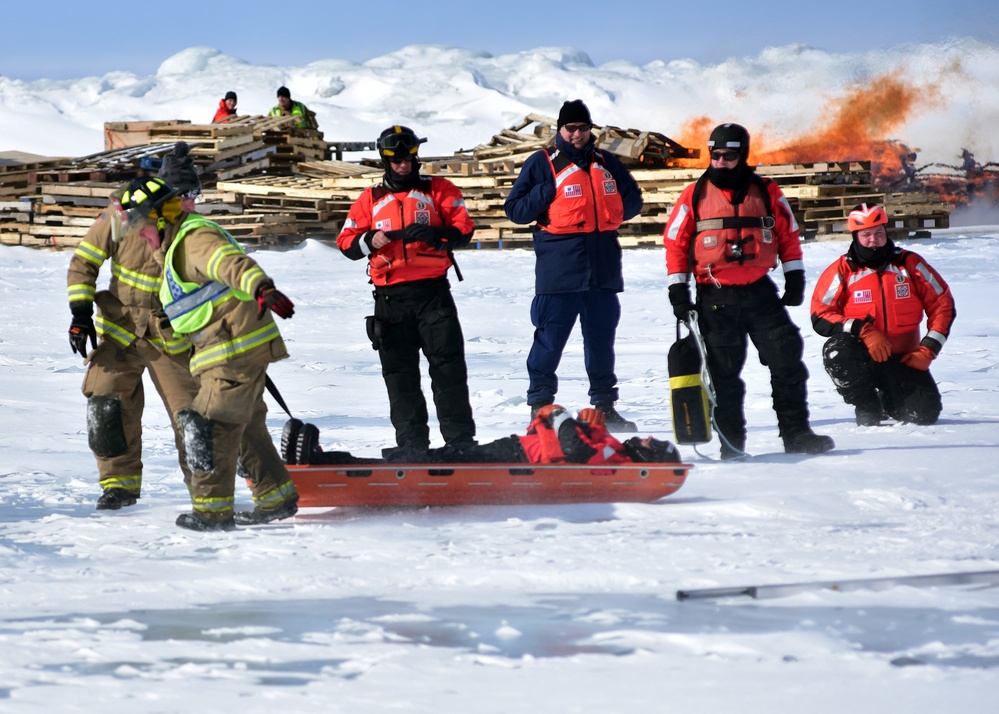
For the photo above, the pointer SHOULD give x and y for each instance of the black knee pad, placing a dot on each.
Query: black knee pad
(105, 431)
(845, 360)
(197, 433)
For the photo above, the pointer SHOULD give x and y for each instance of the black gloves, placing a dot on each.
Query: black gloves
(82, 328)
(679, 298)
(794, 288)
(268, 297)
(438, 237)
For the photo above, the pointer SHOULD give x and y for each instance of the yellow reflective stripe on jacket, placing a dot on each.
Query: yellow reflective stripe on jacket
(90, 253)
(82, 292)
(214, 506)
(178, 345)
(274, 497)
(249, 278)
(135, 279)
(116, 332)
(233, 348)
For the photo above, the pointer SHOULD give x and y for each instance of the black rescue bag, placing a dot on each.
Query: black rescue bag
(688, 395)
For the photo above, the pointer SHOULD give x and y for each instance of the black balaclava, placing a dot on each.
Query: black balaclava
(734, 137)
(871, 257)
(396, 182)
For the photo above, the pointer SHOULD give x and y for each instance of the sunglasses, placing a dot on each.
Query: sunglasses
(725, 155)
(573, 128)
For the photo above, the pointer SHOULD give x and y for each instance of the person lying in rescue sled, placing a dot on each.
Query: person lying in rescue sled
(553, 437)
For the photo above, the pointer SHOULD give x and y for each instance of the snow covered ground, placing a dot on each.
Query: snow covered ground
(499, 609)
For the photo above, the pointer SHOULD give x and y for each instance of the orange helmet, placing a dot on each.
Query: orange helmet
(863, 216)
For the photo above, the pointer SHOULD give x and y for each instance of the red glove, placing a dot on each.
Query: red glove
(876, 342)
(920, 359)
(278, 303)
(549, 413)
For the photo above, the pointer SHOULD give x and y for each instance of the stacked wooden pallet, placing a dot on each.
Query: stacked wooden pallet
(269, 181)
(50, 195)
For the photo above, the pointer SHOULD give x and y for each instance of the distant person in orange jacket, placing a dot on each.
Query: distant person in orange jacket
(870, 304)
(227, 108)
(553, 437)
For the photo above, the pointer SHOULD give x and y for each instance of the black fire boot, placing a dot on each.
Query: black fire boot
(114, 498)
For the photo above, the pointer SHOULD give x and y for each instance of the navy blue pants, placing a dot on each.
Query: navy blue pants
(554, 315)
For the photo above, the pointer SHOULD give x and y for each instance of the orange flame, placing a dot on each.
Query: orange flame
(857, 129)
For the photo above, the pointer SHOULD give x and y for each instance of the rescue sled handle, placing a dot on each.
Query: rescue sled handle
(765, 592)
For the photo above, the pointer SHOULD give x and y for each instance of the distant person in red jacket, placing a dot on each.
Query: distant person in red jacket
(553, 437)
(870, 304)
(227, 108)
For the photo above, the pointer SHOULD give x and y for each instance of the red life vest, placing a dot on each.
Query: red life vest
(541, 445)
(730, 236)
(399, 262)
(585, 201)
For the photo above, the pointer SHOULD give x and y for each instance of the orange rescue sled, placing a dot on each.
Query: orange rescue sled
(483, 484)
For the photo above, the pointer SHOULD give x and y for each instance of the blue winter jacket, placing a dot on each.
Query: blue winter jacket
(571, 262)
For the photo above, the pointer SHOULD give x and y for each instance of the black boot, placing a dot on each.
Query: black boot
(197, 522)
(114, 498)
(289, 437)
(868, 415)
(406, 454)
(455, 451)
(807, 442)
(614, 421)
(265, 515)
(734, 452)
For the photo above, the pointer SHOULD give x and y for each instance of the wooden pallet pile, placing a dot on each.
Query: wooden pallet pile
(54, 199)
(268, 181)
(634, 147)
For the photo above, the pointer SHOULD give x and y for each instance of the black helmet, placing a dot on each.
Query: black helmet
(146, 194)
(730, 136)
(651, 450)
(398, 143)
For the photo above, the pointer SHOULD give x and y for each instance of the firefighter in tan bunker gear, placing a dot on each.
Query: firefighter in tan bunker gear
(218, 296)
(132, 340)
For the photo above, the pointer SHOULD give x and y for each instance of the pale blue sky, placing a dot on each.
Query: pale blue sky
(85, 39)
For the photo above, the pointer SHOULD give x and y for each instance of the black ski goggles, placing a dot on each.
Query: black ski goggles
(400, 147)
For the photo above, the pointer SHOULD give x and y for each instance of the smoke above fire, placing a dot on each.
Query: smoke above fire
(857, 126)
